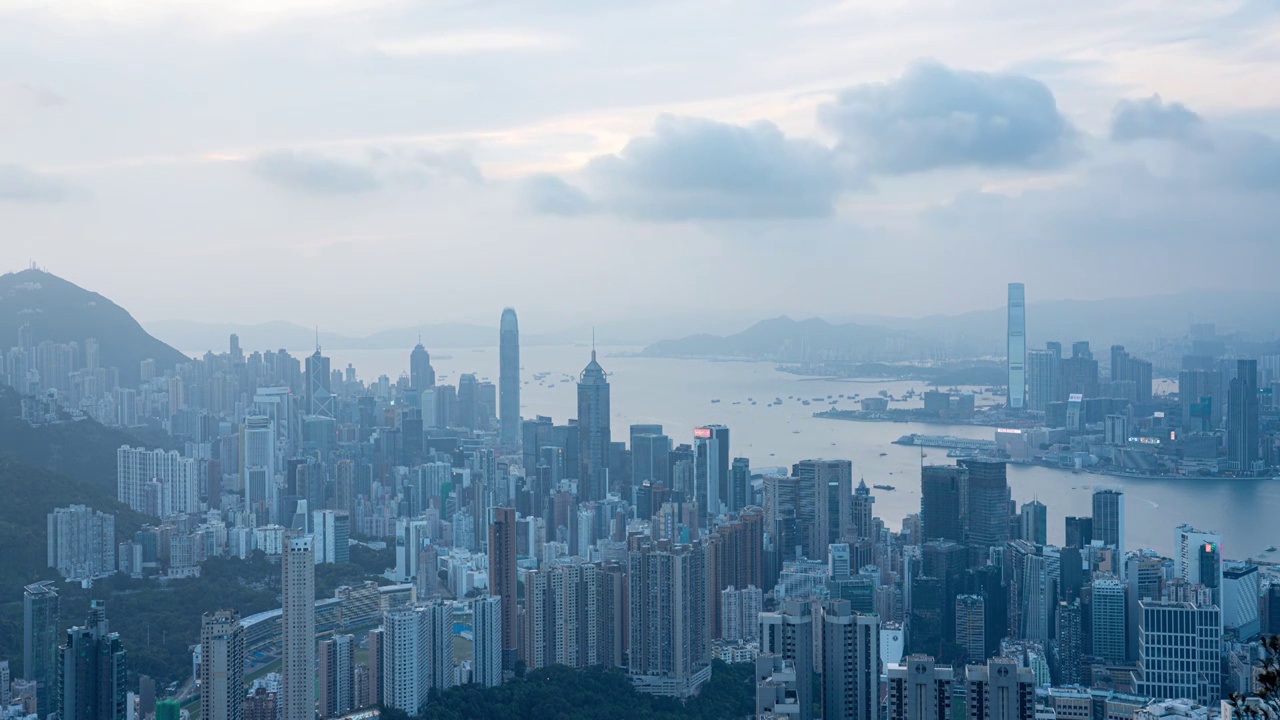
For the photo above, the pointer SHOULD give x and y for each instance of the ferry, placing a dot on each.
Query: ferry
(716, 400)
(884, 487)
(945, 441)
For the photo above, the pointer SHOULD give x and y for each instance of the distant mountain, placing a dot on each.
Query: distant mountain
(197, 336)
(63, 312)
(785, 339)
(1251, 317)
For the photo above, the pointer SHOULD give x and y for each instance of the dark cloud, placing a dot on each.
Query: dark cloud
(1152, 119)
(935, 117)
(551, 195)
(697, 169)
(314, 174)
(20, 184)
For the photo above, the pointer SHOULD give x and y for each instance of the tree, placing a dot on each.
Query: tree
(1265, 703)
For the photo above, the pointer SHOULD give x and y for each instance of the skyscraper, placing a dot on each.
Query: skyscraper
(711, 471)
(509, 378)
(789, 633)
(1180, 651)
(1044, 377)
(850, 663)
(221, 666)
(422, 376)
(1033, 520)
(298, 628)
(1017, 347)
(740, 494)
(1242, 416)
(940, 502)
(502, 577)
(1069, 637)
(593, 432)
(486, 624)
(40, 643)
(1000, 690)
(319, 390)
(337, 676)
(919, 689)
(92, 675)
(987, 516)
(971, 629)
(1107, 619)
(669, 610)
(830, 485)
(1108, 521)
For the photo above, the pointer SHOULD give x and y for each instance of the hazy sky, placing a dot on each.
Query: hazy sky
(381, 162)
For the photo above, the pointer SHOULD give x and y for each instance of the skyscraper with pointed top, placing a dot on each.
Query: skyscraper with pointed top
(421, 375)
(593, 431)
(509, 378)
(319, 387)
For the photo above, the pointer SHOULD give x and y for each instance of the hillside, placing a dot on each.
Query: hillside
(63, 312)
(785, 339)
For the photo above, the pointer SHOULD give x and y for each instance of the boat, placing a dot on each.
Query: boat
(884, 487)
(716, 400)
(883, 454)
(1271, 548)
(805, 402)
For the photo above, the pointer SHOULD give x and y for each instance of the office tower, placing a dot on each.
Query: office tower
(1240, 594)
(1079, 532)
(81, 542)
(1108, 520)
(502, 576)
(1000, 690)
(469, 401)
(221, 666)
(789, 633)
(825, 502)
(157, 482)
(1242, 416)
(486, 624)
(669, 611)
(918, 689)
(1033, 520)
(987, 516)
(1200, 397)
(258, 467)
(40, 643)
(509, 378)
(1069, 642)
(1079, 372)
(1044, 379)
(298, 628)
(650, 458)
(319, 396)
(337, 676)
(1033, 596)
(1180, 651)
(940, 502)
(946, 561)
(593, 432)
(926, 616)
(1017, 349)
(92, 675)
(1197, 558)
(862, 525)
(332, 536)
(422, 376)
(1269, 610)
(971, 629)
(850, 663)
(1107, 619)
(740, 494)
(709, 477)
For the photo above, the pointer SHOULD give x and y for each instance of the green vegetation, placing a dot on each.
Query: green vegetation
(561, 693)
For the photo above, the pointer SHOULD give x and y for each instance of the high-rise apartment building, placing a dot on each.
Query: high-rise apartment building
(221, 666)
(1069, 642)
(788, 633)
(337, 676)
(92, 675)
(502, 577)
(593, 432)
(1044, 377)
(1000, 690)
(1017, 347)
(81, 542)
(918, 689)
(332, 536)
(1107, 615)
(486, 653)
(509, 378)
(298, 628)
(258, 468)
(159, 483)
(971, 627)
(669, 611)
(850, 663)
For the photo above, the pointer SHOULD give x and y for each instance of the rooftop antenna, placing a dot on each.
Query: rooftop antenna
(593, 342)
(317, 338)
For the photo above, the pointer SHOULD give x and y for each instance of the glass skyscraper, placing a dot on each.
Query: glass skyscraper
(1017, 347)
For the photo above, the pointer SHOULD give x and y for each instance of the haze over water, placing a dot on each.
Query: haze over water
(677, 393)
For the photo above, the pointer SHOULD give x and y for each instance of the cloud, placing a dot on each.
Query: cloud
(471, 43)
(1152, 119)
(551, 195)
(698, 169)
(935, 117)
(20, 184)
(314, 174)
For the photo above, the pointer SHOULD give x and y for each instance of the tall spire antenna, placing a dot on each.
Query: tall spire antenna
(593, 342)
(317, 338)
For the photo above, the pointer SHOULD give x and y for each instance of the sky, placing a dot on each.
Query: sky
(367, 164)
